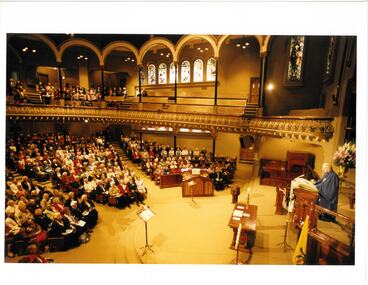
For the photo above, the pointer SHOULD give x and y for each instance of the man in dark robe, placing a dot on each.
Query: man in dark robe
(328, 189)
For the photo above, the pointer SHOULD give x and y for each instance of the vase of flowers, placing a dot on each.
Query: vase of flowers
(344, 157)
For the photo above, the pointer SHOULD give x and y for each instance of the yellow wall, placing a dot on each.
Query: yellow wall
(273, 148)
(227, 144)
(52, 73)
(83, 75)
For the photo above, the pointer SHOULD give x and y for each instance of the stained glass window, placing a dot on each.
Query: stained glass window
(198, 70)
(172, 73)
(296, 58)
(185, 71)
(162, 74)
(211, 69)
(151, 74)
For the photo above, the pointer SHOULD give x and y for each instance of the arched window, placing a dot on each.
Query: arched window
(185, 71)
(172, 73)
(162, 73)
(198, 70)
(151, 74)
(211, 69)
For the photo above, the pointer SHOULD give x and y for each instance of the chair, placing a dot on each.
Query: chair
(99, 198)
(112, 201)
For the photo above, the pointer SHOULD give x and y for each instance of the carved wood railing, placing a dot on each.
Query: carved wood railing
(305, 128)
(302, 128)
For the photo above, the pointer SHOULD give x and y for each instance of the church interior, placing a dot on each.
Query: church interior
(180, 149)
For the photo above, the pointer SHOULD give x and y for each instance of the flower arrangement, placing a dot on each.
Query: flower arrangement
(345, 155)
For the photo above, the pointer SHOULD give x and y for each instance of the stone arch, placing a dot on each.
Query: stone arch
(224, 37)
(185, 39)
(155, 41)
(266, 44)
(120, 44)
(80, 42)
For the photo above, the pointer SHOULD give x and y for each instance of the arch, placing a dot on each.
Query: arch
(80, 42)
(185, 39)
(120, 44)
(16, 54)
(156, 41)
(46, 41)
(266, 44)
(224, 37)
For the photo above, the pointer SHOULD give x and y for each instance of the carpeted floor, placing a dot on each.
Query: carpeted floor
(183, 232)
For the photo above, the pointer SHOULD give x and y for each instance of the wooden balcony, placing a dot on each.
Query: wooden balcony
(313, 129)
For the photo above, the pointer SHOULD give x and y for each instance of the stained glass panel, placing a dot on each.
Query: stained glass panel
(151, 74)
(162, 74)
(185, 71)
(295, 58)
(211, 69)
(172, 74)
(198, 70)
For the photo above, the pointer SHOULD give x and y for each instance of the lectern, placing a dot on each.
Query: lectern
(245, 215)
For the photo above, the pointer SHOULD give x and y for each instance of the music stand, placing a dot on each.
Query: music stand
(191, 184)
(145, 213)
(284, 242)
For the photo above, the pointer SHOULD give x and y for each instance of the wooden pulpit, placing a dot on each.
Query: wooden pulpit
(305, 203)
(197, 186)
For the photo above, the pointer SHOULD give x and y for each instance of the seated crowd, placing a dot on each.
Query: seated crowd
(81, 170)
(74, 93)
(157, 159)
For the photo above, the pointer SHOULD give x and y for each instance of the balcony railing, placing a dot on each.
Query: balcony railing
(301, 128)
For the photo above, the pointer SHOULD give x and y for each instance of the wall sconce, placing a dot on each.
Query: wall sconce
(270, 87)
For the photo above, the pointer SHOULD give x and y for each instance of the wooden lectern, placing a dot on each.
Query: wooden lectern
(248, 226)
(201, 186)
(305, 203)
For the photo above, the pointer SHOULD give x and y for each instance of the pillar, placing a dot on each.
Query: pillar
(139, 84)
(175, 142)
(213, 148)
(140, 136)
(60, 81)
(176, 83)
(262, 76)
(102, 84)
(216, 79)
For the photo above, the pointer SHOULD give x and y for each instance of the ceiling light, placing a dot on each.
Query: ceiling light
(55, 68)
(198, 48)
(86, 120)
(161, 54)
(128, 58)
(247, 44)
(81, 56)
(206, 48)
(25, 49)
(86, 58)
(33, 50)
(238, 45)
(243, 46)
(63, 77)
(201, 50)
(167, 55)
(132, 60)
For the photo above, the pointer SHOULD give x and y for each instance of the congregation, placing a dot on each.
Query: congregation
(158, 159)
(81, 170)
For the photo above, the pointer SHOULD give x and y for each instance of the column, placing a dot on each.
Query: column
(175, 82)
(262, 79)
(214, 135)
(140, 136)
(216, 79)
(175, 142)
(60, 81)
(139, 83)
(102, 84)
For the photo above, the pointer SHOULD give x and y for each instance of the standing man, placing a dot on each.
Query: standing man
(328, 189)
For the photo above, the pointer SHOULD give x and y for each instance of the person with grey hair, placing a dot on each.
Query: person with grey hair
(328, 190)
